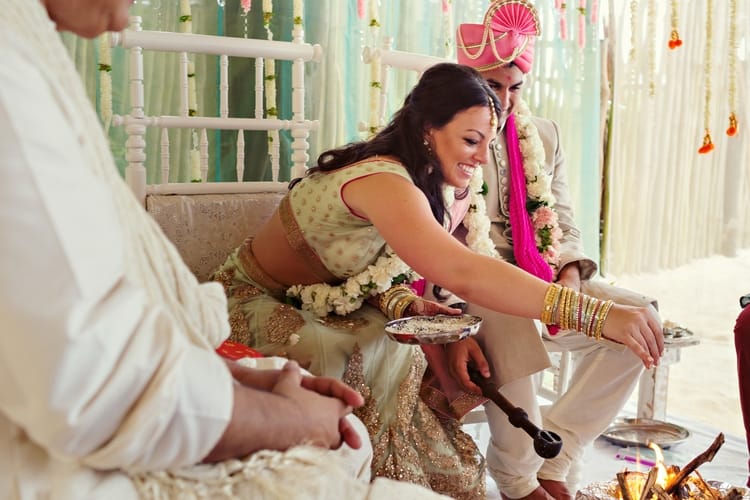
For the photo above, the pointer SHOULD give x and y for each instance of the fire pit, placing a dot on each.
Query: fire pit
(666, 482)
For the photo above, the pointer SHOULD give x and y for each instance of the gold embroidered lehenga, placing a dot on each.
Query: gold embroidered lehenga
(410, 441)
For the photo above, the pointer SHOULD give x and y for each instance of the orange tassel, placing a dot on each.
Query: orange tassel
(733, 128)
(708, 145)
(674, 40)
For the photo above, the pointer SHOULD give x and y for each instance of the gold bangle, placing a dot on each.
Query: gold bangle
(551, 299)
(588, 309)
(591, 327)
(402, 304)
(564, 318)
(387, 297)
(603, 312)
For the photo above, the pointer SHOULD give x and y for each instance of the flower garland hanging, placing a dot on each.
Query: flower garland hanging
(476, 220)
(297, 12)
(540, 199)
(674, 36)
(708, 144)
(186, 26)
(245, 6)
(376, 85)
(105, 80)
(269, 64)
(270, 76)
(186, 17)
(732, 92)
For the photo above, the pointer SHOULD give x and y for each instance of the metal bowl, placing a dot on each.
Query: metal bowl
(440, 329)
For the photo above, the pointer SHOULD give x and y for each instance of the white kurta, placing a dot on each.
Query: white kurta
(86, 363)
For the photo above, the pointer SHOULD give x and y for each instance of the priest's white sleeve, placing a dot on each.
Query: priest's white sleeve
(88, 368)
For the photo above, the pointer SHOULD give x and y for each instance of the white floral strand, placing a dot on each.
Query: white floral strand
(192, 90)
(538, 186)
(476, 220)
(105, 80)
(269, 66)
(322, 298)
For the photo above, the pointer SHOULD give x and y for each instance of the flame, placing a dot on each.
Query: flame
(661, 469)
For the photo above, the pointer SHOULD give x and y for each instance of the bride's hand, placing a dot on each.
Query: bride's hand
(424, 307)
(639, 328)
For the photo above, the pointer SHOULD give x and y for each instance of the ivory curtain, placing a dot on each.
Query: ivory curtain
(667, 204)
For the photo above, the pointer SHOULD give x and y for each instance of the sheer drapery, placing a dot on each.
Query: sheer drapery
(667, 203)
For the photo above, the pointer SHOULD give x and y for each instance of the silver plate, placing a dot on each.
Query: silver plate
(440, 329)
(679, 335)
(641, 431)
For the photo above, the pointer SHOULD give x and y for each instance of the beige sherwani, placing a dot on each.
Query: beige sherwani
(605, 372)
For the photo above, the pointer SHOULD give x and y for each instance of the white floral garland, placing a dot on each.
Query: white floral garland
(105, 80)
(540, 200)
(322, 298)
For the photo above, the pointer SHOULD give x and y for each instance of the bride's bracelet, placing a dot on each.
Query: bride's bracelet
(571, 310)
(396, 300)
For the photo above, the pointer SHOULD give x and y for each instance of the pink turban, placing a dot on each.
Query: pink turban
(507, 34)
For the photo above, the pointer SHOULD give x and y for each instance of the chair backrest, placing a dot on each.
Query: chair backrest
(185, 44)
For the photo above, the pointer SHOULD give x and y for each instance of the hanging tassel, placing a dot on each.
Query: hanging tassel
(246, 5)
(674, 40)
(708, 144)
(732, 92)
(674, 37)
(733, 128)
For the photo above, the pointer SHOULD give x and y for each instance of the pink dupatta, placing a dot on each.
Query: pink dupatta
(525, 250)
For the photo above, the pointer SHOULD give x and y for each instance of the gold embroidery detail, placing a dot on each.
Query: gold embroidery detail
(421, 448)
(344, 322)
(244, 292)
(354, 376)
(282, 323)
(224, 277)
(238, 324)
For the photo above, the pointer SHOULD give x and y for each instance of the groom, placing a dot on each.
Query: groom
(502, 49)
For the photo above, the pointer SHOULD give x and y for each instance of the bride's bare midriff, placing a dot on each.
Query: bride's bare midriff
(277, 258)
